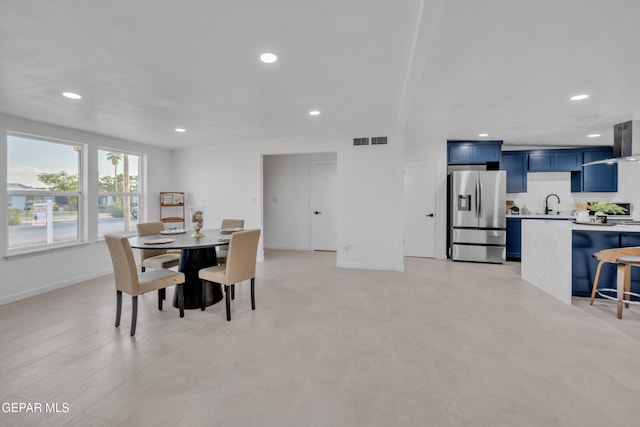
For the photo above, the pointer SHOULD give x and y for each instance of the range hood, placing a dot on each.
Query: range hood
(626, 144)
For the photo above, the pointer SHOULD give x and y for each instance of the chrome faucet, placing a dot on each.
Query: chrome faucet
(546, 203)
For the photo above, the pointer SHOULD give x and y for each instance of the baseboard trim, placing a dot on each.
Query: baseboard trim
(52, 287)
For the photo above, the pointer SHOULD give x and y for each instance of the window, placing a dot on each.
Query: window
(119, 192)
(44, 198)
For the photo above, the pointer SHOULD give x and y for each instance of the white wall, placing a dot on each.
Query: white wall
(287, 199)
(28, 275)
(228, 180)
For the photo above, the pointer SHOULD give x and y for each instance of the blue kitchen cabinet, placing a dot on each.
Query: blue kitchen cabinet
(541, 161)
(515, 163)
(584, 265)
(568, 160)
(555, 160)
(514, 238)
(601, 178)
(488, 152)
(469, 152)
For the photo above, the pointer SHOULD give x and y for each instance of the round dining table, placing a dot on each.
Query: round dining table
(195, 254)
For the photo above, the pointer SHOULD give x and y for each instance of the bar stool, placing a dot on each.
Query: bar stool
(611, 256)
(624, 279)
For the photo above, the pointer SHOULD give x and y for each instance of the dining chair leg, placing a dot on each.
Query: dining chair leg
(160, 299)
(164, 293)
(253, 293)
(118, 307)
(181, 299)
(134, 314)
(227, 301)
(233, 291)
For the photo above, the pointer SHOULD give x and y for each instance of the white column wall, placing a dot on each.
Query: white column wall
(228, 180)
(23, 276)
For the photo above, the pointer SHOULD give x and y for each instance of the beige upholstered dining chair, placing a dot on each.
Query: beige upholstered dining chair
(240, 266)
(156, 258)
(129, 281)
(223, 251)
(232, 223)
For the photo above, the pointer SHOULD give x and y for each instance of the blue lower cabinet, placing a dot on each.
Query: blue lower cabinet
(584, 265)
(514, 238)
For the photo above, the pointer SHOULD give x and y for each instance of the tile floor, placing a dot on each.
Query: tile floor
(443, 344)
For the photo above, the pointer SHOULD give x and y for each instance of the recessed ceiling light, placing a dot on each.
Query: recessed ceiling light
(269, 58)
(181, 130)
(483, 134)
(593, 135)
(579, 97)
(314, 112)
(71, 95)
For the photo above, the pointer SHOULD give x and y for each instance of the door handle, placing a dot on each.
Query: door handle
(317, 212)
(430, 215)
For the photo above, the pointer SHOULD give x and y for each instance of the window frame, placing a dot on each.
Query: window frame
(140, 193)
(81, 194)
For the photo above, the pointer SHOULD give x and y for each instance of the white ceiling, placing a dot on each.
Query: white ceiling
(440, 68)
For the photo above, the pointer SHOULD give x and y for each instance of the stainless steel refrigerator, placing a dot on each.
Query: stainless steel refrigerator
(477, 216)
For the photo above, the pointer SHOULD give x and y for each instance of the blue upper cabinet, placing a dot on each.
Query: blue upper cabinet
(515, 163)
(541, 161)
(599, 178)
(555, 160)
(568, 160)
(468, 152)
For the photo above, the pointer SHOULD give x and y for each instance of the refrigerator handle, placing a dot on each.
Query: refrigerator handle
(479, 199)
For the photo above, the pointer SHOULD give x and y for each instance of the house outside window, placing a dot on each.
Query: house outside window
(45, 201)
(119, 191)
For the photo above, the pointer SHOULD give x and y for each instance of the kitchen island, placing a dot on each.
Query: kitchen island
(556, 255)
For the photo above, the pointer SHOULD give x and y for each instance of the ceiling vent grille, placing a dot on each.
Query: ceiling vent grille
(378, 140)
(360, 141)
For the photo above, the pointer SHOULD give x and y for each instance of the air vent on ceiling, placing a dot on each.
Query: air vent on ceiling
(378, 140)
(360, 141)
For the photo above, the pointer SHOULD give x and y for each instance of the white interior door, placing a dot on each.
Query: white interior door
(419, 208)
(323, 206)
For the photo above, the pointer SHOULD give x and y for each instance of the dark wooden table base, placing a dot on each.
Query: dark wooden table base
(191, 261)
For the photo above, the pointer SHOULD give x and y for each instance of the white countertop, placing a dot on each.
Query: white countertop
(616, 228)
(541, 216)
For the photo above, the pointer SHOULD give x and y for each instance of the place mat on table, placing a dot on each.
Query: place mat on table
(158, 241)
(174, 231)
(230, 230)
